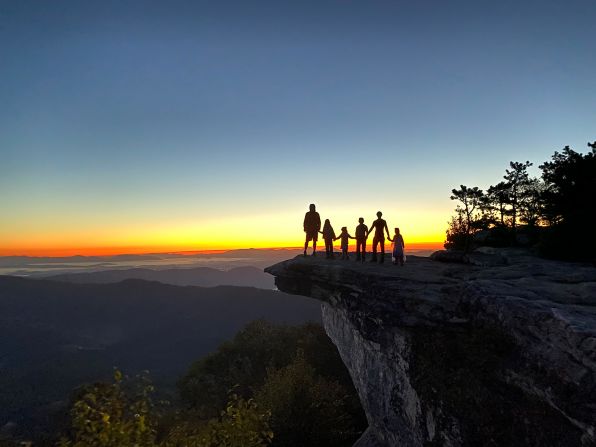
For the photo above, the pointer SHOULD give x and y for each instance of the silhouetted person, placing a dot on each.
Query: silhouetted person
(345, 239)
(398, 248)
(361, 234)
(379, 226)
(312, 225)
(328, 237)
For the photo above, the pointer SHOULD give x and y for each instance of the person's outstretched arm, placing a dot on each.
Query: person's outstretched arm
(387, 229)
(389, 239)
(351, 236)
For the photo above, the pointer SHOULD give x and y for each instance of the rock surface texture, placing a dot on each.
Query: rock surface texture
(489, 352)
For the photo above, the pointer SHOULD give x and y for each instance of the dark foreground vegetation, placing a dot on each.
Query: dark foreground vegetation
(55, 336)
(271, 384)
(555, 213)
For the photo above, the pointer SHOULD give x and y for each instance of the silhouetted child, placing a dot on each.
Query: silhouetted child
(328, 237)
(344, 236)
(398, 248)
(361, 234)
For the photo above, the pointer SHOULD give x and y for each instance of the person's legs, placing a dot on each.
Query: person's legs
(374, 255)
(311, 236)
(382, 243)
(357, 249)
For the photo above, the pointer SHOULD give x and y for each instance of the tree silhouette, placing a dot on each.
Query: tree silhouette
(531, 203)
(516, 179)
(555, 213)
(497, 198)
(470, 201)
(570, 203)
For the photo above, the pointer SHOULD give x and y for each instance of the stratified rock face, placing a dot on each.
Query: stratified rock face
(476, 354)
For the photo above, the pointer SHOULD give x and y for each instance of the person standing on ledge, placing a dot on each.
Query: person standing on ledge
(380, 227)
(361, 234)
(312, 225)
(398, 254)
(345, 240)
(328, 237)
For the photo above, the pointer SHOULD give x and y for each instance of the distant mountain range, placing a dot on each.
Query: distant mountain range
(198, 276)
(32, 266)
(56, 335)
(249, 253)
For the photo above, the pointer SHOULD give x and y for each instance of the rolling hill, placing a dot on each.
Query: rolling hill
(199, 276)
(56, 335)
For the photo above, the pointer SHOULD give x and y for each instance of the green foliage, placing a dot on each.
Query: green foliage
(241, 424)
(119, 414)
(243, 362)
(261, 362)
(306, 409)
(307, 398)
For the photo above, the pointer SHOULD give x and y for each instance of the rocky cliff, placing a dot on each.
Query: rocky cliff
(498, 349)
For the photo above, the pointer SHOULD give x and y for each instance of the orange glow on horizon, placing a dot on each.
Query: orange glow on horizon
(136, 250)
(422, 228)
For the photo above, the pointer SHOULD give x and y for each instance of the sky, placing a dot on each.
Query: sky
(132, 126)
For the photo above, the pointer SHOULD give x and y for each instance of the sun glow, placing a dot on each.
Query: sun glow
(420, 229)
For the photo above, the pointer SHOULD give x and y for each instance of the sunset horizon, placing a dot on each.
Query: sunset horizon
(207, 128)
(178, 250)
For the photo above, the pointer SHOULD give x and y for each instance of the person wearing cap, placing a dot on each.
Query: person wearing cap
(312, 225)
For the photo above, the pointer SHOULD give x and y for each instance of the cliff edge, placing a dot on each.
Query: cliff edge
(499, 350)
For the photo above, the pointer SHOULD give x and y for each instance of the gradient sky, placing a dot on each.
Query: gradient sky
(187, 125)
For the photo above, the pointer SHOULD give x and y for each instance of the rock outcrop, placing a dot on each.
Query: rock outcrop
(497, 351)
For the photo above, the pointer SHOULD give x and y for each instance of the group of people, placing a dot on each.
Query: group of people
(312, 228)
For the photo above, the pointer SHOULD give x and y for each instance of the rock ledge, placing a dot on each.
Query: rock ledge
(496, 352)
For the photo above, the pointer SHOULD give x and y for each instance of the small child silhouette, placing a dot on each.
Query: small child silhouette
(344, 236)
(398, 248)
(328, 237)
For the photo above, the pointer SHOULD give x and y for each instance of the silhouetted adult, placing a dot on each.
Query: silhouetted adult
(380, 227)
(312, 225)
